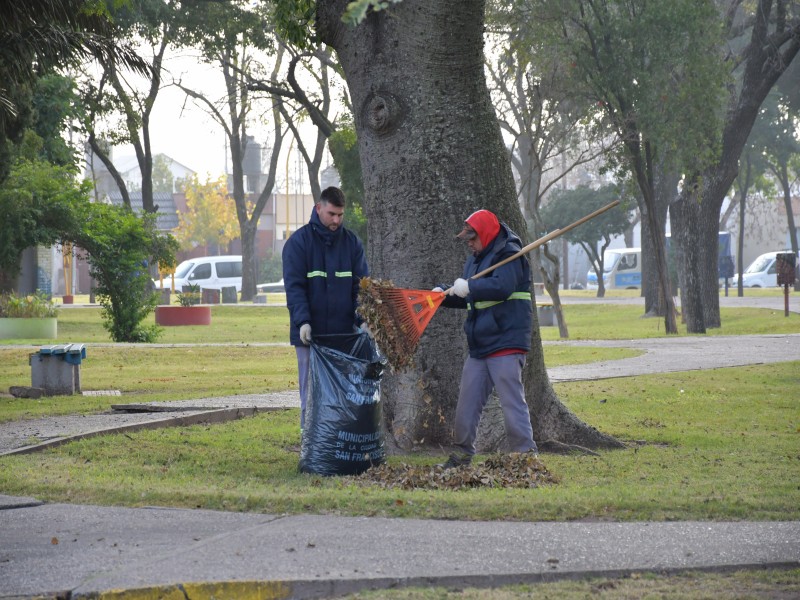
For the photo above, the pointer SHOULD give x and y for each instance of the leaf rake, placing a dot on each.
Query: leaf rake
(397, 317)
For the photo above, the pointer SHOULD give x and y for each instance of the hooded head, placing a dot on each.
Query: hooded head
(482, 224)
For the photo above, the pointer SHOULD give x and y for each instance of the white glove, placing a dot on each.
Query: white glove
(305, 334)
(437, 289)
(460, 288)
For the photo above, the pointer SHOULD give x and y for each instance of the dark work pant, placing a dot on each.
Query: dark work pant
(478, 378)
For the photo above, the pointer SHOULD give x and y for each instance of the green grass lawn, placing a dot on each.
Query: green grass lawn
(270, 324)
(744, 584)
(707, 445)
(720, 444)
(158, 373)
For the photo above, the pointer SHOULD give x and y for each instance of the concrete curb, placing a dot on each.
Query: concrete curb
(301, 590)
(221, 415)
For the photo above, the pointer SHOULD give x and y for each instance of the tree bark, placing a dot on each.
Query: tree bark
(431, 153)
(685, 215)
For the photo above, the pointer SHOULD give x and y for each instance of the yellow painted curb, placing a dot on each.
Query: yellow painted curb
(241, 590)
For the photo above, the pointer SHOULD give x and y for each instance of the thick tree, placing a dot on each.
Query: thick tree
(431, 153)
(764, 39)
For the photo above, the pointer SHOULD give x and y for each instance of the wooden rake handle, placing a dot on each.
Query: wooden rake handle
(543, 240)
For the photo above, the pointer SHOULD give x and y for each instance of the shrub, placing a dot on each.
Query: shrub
(121, 245)
(37, 306)
(190, 297)
(271, 267)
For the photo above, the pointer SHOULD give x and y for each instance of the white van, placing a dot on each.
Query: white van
(622, 269)
(762, 272)
(208, 272)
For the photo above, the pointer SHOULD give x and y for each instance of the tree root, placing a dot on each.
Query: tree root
(557, 447)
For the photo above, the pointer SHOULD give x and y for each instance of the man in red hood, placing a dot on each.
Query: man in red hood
(498, 328)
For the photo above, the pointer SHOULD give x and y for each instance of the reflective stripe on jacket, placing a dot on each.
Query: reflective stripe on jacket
(321, 273)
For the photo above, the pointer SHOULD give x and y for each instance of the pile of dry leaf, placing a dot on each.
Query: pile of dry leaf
(514, 470)
(396, 344)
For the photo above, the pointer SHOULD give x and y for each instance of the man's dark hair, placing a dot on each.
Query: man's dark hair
(332, 195)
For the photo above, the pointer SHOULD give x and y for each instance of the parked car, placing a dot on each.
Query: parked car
(266, 288)
(209, 272)
(622, 269)
(762, 272)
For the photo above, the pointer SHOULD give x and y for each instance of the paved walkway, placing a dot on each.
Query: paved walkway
(70, 551)
(85, 551)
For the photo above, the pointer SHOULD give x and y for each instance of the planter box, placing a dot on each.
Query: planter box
(169, 316)
(45, 328)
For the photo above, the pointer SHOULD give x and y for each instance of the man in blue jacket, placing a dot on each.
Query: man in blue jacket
(498, 328)
(322, 265)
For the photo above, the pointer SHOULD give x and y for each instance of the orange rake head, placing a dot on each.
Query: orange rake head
(412, 309)
(397, 317)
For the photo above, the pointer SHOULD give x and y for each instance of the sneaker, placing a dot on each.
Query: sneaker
(456, 460)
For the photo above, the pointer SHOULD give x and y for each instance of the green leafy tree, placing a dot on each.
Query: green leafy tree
(37, 204)
(42, 36)
(567, 206)
(781, 151)
(56, 106)
(120, 248)
(665, 111)
(762, 40)
(272, 267)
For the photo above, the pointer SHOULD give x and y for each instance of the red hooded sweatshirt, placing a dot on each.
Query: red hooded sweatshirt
(485, 224)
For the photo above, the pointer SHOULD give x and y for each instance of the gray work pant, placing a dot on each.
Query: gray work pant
(303, 357)
(479, 376)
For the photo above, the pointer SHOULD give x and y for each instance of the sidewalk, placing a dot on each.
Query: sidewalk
(75, 552)
(72, 551)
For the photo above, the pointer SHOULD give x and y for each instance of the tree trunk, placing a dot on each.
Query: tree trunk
(649, 271)
(685, 215)
(431, 153)
(551, 285)
(743, 182)
(774, 43)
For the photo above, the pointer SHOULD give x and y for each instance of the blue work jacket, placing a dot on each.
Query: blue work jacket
(499, 306)
(321, 274)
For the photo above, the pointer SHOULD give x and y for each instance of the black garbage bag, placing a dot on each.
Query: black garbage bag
(342, 431)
